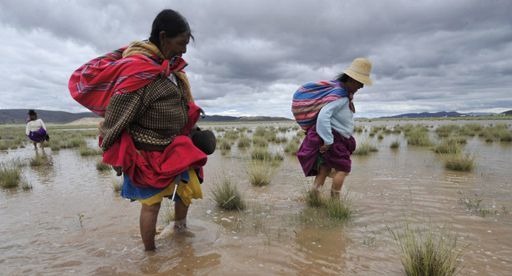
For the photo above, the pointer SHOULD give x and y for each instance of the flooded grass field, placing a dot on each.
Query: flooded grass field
(452, 179)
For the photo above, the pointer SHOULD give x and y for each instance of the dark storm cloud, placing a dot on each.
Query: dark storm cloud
(427, 55)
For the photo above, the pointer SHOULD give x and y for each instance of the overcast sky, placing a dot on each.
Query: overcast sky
(250, 56)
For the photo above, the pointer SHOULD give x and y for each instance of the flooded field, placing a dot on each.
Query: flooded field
(71, 221)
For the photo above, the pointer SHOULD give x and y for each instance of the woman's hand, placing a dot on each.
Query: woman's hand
(324, 148)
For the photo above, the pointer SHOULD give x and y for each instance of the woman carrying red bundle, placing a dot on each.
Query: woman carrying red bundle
(149, 113)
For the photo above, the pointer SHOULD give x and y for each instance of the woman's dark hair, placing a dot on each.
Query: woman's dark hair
(32, 114)
(171, 22)
(343, 77)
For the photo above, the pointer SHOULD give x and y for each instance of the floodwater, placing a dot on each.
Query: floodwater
(72, 222)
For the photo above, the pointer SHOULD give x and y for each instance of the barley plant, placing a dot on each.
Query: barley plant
(227, 196)
(423, 252)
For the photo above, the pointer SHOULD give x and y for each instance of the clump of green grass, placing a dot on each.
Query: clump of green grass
(380, 137)
(505, 136)
(339, 208)
(100, 166)
(55, 146)
(260, 173)
(227, 196)
(10, 175)
(225, 145)
(423, 252)
(395, 145)
(450, 146)
(364, 149)
(86, 151)
(474, 205)
(259, 141)
(292, 147)
(460, 162)
(25, 186)
(446, 130)
(314, 199)
(418, 137)
(74, 142)
(261, 154)
(244, 142)
(231, 135)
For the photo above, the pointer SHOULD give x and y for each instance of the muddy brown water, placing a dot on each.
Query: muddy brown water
(72, 222)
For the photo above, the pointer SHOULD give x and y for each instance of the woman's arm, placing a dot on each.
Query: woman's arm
(323, 122)
(121, 111)
(42, 124)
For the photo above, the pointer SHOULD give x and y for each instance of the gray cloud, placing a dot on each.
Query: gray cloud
(250, 56)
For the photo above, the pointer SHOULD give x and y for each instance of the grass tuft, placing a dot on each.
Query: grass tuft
(423, 252)
(364, 149)
(10, 175)
(459, 162)
(395, 145)
(100, 166)
(244, 142)
(339, 208)
(451, 146)
(260, 173)
(227, 196)
(314, 199)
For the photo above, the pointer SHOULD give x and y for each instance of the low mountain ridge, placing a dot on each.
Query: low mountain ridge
(19, 116)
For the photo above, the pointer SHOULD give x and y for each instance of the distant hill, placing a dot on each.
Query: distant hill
(442, 114)
(428, 115)
(18, 116)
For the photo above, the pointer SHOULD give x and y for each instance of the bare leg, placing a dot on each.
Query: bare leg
(320, 177)
(337, 183)
(35, 145)
(148, 218)
(180, 216)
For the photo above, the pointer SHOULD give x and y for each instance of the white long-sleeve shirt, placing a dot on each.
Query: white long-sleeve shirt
(34, 126)
(335, 115)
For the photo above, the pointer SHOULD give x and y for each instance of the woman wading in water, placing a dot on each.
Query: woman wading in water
(325, 111)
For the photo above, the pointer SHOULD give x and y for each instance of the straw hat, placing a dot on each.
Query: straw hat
(360, 70)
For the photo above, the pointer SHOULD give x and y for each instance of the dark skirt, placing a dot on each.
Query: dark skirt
(38, 136)
(337, 157)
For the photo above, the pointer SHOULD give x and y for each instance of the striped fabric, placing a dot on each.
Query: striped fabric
(311, 97)
(94, 83)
